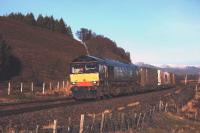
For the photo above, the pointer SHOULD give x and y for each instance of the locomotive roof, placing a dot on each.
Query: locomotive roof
(86, 58)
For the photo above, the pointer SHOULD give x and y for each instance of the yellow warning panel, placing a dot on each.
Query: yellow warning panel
(84, 77)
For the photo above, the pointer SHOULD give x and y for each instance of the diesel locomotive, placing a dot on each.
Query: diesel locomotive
(93, 78)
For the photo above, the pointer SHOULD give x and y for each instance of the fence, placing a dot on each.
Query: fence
(15, 88)
(105, 122)
(110, 121)
(123, 120)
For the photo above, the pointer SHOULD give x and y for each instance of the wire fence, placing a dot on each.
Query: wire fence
(19, 88)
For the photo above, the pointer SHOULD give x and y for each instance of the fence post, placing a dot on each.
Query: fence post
(196, 88)
(154, 108)
(58, 85)
(166, 105)
(177, 108)
(93, 121)
(43, 88)
(63, 84)
(138, 122)
(143, 119)
(55, 126)
(122, 120)
(32, 86)
(94, 116)
(81, 123)
(186, 79)
(8, 88)
(150, 113)
(50, 86)
(135, 119)
(160, 104)
(21, 88)
(37, 128)
(69, 124)
(195, 116)
(199, 79)
(195, 94)
(102, 122)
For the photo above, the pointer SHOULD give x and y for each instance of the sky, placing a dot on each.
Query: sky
(153, 31)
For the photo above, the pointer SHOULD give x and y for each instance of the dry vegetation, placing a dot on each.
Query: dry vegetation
(166, 119)
(45, 55)
(106, 48)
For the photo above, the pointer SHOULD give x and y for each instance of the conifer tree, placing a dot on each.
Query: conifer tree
(4, 54)
(62, 28)
(69, 32)
(40, 21)
(30, 19)
(85, 34)
(47, 22)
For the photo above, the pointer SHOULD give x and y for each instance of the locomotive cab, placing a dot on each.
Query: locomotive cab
(85, 76)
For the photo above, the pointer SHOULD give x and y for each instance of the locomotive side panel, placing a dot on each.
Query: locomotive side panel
(159, 73)
(152, 77)
(162, 75)
(148, 77)
(142, 73)
(123, 73)
(172, 77)
(166, 78)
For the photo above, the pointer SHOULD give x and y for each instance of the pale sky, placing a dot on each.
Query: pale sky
(154, 31)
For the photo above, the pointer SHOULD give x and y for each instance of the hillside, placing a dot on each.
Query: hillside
(106, 48)
(192, 70)
(43, 55)
(179, 70)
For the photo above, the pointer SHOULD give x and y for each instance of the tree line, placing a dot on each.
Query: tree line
(47, 22)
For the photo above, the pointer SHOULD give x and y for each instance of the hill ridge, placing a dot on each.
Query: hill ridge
(45, 55)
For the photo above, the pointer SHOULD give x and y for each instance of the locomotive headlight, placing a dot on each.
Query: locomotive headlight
(94, 82)
(73, 83)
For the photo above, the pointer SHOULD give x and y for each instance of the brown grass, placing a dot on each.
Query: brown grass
(44, 55)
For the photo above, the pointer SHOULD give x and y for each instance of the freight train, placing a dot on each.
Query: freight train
(94, 78)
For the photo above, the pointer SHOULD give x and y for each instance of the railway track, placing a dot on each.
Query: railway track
(7, 109)
(34, 101)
